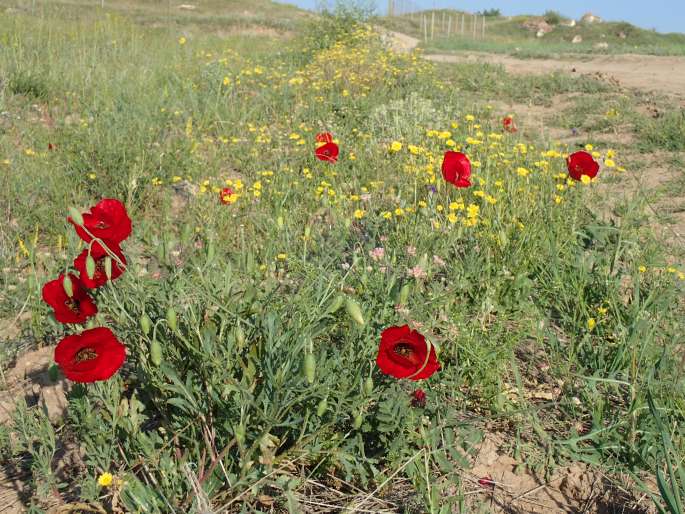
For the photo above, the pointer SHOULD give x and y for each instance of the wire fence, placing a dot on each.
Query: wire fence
(442, 23)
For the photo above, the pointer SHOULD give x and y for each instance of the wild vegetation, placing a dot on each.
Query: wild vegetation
(291, 213)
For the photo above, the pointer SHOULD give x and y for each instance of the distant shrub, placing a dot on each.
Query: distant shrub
(553, 17)
(29, 84)
(490, 13)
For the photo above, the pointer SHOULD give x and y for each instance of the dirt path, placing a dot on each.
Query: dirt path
(646, 72)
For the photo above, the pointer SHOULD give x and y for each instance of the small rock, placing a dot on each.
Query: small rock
(601, 46)
(577, 39)
(187, 7)
(622, 35)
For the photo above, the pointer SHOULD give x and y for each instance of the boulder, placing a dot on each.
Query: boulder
(537, 25)
(601, 46)
(590, 18)
(577, 39)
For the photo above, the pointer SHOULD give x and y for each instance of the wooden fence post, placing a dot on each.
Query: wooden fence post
(432, 25)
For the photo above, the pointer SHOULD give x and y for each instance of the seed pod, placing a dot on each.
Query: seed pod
(156, 352)
(354, 311)
(309, 367)
(108, 267)
(76, 216)
(171, 319)
(68, 286)
(145, 324)
(404, 293)
(358, 420)
(322, 407)
(90, 266)
(335, 305)
(368, 386)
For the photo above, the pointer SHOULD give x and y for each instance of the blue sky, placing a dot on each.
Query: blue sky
(662, 15)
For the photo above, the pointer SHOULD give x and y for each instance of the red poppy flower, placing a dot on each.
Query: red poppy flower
(51, 146)
(405, 353)
(225, 195)
(76, 309)
(328, 152)
(99, 255)
(509, 124)
(107, 220)
(92, 355)
(324, 137)
(418, 398)
(456, 169)
(581, 163)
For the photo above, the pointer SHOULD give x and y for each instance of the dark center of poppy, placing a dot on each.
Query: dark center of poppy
(85, 354)
(101, 224)
(327, 152)
(72, 305)
(404, 350)
(100, 266)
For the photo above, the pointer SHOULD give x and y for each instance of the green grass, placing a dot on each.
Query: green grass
(508, 36)
(136, 115)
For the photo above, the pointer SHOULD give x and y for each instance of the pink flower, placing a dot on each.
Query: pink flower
(417, 272)
(377, 253)
(438, 261)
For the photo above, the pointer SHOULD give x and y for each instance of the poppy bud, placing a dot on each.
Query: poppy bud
(171, 319)
(68, 286)
(239, 431)
(307, 231)
(211, 250)
(76, 216)
(145, 324)
(358, 420)
(90, 324)
(160, 252)
(156, 352)
(335, 304)
(309, 367)
(239, 337)
(108, 267)
(123, 407)
(322, 407)
(368, 386)
(90, 266)
(53, 372)
(404, 293)
(279, 222)
(354, 311)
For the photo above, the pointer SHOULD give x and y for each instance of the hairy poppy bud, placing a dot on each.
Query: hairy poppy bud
(239, 431)
(404, 293)
(368, 386)
(156, 352)
(76, 216)
(108, 267)
(53, 372)
(90, 266)
(358, 420)
(322, 407)
(211, 250)
(309, 367)
(307, 231)
(145, 324)
(354, 311)
(239, 337)
(335, 305)
(68, 286)
(279, 222)
(171, 319)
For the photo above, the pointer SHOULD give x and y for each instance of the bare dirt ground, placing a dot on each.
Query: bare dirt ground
(646, 72)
